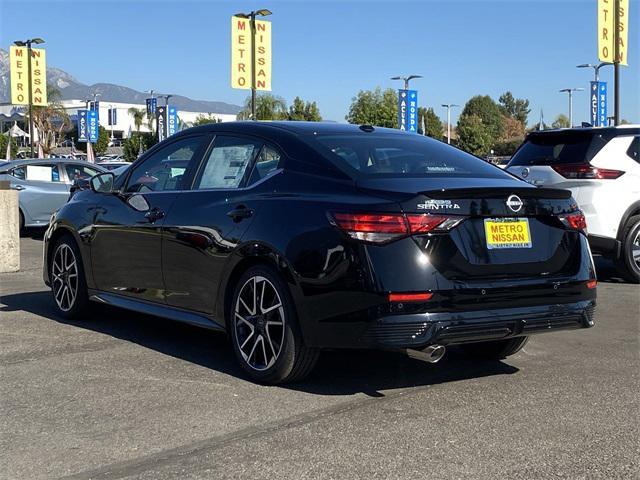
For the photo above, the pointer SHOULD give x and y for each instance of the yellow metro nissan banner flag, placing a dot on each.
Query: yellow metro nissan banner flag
(241, 54)
(606, 30)
(18, 65)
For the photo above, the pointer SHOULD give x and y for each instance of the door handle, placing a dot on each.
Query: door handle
(17, 187)
(154, 214)
(239, 213)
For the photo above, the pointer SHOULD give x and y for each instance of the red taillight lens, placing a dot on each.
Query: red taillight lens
(575, 220)
(381, 228)
(591, 284)
(410, 297)
(586, 171)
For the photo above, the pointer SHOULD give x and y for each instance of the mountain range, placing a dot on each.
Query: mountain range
(70, 88)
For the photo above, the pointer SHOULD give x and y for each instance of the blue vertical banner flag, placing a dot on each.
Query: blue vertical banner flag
(172, 121)
(95, 106)
(113, 116)
(152, 103)
(92, 125)
(412, 111)
(598, 104)
(408, 110)
(83, 132)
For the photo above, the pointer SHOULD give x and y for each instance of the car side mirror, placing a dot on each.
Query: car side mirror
(102, 182)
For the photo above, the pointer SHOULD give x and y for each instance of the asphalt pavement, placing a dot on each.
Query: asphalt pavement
(124, 395)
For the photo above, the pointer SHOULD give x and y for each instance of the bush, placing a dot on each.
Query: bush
(507, 147)
(3, 147)
(131, 146)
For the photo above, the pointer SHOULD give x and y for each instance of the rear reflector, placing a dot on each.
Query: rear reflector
(410, 297)
(586, 171)
(591, 284)
(575, 221)
(380, 228)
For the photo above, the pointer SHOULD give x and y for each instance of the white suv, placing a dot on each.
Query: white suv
(601, 167)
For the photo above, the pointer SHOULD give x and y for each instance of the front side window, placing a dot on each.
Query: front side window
(79, 172)
(392, 155)
(164, 169)
(227, 164)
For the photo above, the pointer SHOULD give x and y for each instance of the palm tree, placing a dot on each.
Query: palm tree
(51, 121)
(268, 107)
(138, 117)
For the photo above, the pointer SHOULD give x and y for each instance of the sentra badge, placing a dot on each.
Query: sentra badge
(437, 205)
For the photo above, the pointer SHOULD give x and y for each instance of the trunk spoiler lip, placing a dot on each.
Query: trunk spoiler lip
(495, 192)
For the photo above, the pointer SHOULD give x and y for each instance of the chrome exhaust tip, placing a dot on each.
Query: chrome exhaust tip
(431, 354)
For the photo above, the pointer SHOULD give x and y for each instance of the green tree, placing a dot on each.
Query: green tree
(205, 119)
(51, 121)
(301, 110)
(137, 141)
(374, 107)
(101, 145)
(138, 115)
(516, 108)
(474, 136)
(3, 147)
(432, 123)
(561, 121)
(489, 113)
(268, 107)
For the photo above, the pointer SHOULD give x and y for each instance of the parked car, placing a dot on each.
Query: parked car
(601, 167)
(44, 185)
(293, 237)
(112, 165)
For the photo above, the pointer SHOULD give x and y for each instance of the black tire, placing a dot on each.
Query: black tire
(63, 255)
(279, 353)
(628, 267)
(21, 220)
(495, 350)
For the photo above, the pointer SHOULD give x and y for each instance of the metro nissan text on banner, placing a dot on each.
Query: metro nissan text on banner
(241, 54)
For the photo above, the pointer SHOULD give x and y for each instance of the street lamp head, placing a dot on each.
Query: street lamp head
(242, 15)
(411, 77)
(396, 78)
(37, 41)
(585, 65)
(19, 43)
(263, 12)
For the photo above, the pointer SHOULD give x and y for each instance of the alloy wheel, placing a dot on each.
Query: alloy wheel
(635, 250)
(259, 323)
(64, 277)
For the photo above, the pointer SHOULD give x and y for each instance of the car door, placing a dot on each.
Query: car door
(42, 192)
(126, 232)
(208, 222)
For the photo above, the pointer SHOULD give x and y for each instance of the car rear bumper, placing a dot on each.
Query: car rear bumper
(444, 328)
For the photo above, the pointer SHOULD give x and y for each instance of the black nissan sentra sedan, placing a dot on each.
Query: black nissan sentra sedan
(292, 237)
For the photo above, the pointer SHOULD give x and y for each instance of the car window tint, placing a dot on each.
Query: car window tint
(394, 155)
(634, 149)
(19, 173)
(558, 148)
(227, 163)
(79, 172)
(164, 169)
(43, 173)
(268, 160)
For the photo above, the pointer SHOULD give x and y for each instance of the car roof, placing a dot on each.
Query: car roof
(35, 161)
(628, 129)
(295, 127)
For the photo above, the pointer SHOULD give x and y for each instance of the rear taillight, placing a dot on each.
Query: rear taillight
(574, 221)
(381, 228)
(586, 171)
(410, 297)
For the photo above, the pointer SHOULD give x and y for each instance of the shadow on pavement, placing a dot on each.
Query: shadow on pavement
(606, 270)
(339, 372)
(35, 233)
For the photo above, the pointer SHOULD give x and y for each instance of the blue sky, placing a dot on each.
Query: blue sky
(327, 51)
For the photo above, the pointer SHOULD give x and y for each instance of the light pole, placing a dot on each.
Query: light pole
(28, 43)
(150, 113)
(406, 80)
(263, 12)
(449, 106)
(570, 92)
(596, 68)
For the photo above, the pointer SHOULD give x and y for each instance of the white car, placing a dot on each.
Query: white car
(601, 167)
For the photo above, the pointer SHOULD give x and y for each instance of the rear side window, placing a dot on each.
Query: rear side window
(228, 162)
(558, 148)
(43, 173)
(393, 155)
(19, 173)
(634, 149)
(79, 172)
(268, 160)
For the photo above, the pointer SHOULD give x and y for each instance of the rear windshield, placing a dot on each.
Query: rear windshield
(391, 155)
(558, 148)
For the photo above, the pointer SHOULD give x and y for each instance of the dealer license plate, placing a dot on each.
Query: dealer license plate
(507, 233)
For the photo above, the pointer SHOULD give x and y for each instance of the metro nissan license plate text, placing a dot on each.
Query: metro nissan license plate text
(507, 233)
